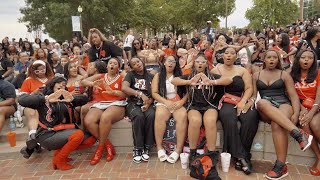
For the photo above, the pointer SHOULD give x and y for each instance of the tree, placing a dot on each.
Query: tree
(113, 17)
(272, 12)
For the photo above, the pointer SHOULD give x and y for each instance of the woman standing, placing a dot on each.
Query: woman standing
(101, 49)
(108, 108)
(137, 85)
(280, 110)
(170, 101)
(306, 77)
(237, 142)
(202, 105)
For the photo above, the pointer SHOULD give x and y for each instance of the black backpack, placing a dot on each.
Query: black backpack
(204, 166)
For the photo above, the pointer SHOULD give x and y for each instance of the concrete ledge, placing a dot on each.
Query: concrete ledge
(121, 137)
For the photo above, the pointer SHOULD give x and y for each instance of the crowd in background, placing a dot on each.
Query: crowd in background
(72, 92)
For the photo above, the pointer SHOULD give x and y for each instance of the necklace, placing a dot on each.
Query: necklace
(111, 81)
(99, 46)
(43, 80)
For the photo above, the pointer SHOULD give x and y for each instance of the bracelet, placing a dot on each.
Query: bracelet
(137, 94)
(215, 82)
(315, 104)
(140, 94)
(252, 99)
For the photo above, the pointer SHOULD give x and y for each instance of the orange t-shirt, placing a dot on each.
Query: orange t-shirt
(169, 52)
(305, 90)
(30, 84)
(71, 89)
(115, 84)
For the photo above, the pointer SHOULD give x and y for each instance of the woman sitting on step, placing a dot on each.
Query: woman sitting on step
(57, 129)
(109, 107)
(170, 103)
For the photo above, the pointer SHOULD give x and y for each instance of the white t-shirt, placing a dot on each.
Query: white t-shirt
(128, 41)
(243, 55)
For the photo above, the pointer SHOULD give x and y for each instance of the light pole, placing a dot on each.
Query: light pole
(80, 11)
(226, 14)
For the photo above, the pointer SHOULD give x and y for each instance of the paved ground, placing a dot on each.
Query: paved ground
(14, 166)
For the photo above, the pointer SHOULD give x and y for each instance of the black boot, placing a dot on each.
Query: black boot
(192, 156)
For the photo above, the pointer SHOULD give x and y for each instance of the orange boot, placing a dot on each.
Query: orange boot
(87, 143)
(111, 152)
(56, 152)
(97, 155)
(74, 140)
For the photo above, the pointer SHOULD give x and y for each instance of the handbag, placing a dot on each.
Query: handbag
(204, 166)
(230, 99)
(307, 102)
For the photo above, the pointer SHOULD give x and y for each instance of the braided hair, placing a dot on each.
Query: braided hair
(211, 94)
(181, 90)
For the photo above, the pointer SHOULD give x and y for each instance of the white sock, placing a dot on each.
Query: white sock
(32, 131)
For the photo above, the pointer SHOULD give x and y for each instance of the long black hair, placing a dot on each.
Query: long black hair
(181, 90)
(311, 33)
(285, 42)
(134, 50)
(66, 69)
(48, 89)
(296, 68)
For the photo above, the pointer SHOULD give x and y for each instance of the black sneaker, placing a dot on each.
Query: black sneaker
(145, 154)
(137, 153)
(279, 171)
(26, 152)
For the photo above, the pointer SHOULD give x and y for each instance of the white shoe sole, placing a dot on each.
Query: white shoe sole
(309, 143)
(285, 175)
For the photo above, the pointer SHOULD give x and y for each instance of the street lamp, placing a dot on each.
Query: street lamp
(80, 11)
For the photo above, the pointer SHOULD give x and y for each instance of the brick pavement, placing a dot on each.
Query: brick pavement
(14, 166)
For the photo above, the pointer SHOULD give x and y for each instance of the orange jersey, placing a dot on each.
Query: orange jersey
(115, 84)
(30, 84)
(169, 52)
(71, 89)
(305, 90)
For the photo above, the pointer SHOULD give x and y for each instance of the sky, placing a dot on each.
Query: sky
(9, 15)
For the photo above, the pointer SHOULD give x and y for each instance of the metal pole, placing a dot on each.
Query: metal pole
(81, 27)
(226, 14)
(301, 10)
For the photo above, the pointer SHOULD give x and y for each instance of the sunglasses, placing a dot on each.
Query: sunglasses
(201, 62)
(172, 61)
(40, 71)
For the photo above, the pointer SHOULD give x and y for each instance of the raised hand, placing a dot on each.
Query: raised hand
(96, 83)
(67, 96)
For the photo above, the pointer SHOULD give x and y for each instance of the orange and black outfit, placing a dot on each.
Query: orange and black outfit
(55, 130)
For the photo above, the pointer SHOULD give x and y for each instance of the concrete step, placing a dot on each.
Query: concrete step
(21, 133)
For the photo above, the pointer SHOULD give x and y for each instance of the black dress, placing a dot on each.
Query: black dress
(274, 93)
(237, 141)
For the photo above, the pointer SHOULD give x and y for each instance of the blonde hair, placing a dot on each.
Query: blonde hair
(95, 30)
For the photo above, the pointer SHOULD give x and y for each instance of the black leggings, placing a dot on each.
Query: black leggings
(238, 142)
(142, 125)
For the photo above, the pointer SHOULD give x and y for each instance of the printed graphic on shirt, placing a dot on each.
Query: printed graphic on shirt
(303, 85)
(1, 68)
(140, 84)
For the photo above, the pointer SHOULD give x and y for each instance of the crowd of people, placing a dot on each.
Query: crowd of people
(72, 93)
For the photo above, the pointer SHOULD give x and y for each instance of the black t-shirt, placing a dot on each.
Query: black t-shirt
(201, 93)
(7, 90)
(104, 53)
(140, 83)
(195, 40)
(57, 69)
(219, 55)
(4, 64)
(315, 49)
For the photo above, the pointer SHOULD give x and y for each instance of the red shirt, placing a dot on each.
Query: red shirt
(208, 53)
(305, 90)
(115, 84)
(169, 52)
(30, 84)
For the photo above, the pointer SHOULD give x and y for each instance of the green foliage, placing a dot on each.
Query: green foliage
(272, 12)
(116, 16)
